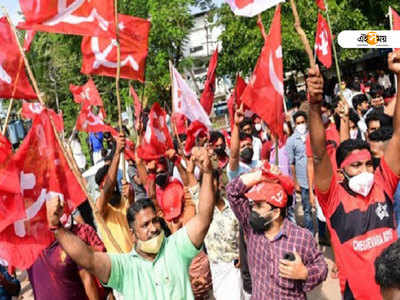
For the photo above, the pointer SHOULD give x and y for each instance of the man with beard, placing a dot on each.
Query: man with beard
(241, 156)
(111, 206)
(157, 267)
(283, 258)
(358, 206)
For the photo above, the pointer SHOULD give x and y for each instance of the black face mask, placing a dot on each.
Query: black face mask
(162, 179)
(246, 155)
(258, 223)
(220, 150)
(376, 161)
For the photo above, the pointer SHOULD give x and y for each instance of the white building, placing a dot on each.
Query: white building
(201, 44)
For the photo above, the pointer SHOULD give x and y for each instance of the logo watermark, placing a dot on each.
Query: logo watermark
(369, 39)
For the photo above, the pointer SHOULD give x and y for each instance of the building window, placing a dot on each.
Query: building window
(195, 49)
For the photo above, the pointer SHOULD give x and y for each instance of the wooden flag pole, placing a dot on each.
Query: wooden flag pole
(302, 34)
(117, 78)
(338, 73)
(173, 108)
(12, 97)
(78, 176)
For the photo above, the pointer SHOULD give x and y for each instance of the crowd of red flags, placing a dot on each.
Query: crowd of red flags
(41, 172)
(38, 170)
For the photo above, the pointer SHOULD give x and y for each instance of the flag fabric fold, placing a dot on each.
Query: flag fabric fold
(43, 173)
(323, 42)
(264, 93)
(157, 139)
(184, 100)
(321, 4)
(77, 17)
(207, 97)
(86, 93)
(251, 8)
(100, 54)
(13, 80)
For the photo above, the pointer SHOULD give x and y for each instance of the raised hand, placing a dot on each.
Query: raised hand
(55, 210)
(394, 62)
(239, 115)
(315, 85)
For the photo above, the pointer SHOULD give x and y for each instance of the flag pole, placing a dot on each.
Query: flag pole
(12, 96)
(78, 176)
(338, 73)
(173, 108)
(117, 78)
(302, 34)
(391, 28)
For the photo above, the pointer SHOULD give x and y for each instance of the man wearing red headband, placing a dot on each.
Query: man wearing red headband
(283, 258)
(359, 206)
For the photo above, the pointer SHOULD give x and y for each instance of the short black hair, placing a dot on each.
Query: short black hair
(299, 113)
(355, 86)
(327, 105)
(387, 267)
(358, 99)
(376, 90)
(348, 146)
(136, 207)
(382, 134)
(215, 136)
(245, 122)
(101, 173)
(353, 116)
(376, 115)
(243, 136)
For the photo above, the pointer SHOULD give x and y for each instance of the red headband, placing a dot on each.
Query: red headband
(357, 156)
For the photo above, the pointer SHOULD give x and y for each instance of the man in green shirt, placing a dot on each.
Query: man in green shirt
(157, 267)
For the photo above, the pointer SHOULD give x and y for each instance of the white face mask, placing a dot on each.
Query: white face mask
(301, 128)
(257, 126)
(362, 183)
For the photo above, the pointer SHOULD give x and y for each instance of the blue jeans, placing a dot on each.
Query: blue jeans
(308, 217)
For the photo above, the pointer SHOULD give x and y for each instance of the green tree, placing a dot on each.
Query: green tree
(242, 41)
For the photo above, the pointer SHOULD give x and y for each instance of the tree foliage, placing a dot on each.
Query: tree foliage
(242, 41)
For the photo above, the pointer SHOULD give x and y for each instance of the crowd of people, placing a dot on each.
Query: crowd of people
(220, 222)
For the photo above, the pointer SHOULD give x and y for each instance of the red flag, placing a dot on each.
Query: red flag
(323, 42)
(13, 80)
(250, 8)
(80, 17)
(234, 99)
(207, 97)
(396, 20)
(32, 109)
(157, 139)
(86, 94)
(129, 150)
(89, 122)
(264, 93)
(11, 202)
(29, 35)
(321, 4)
(44, 173)
(136, 103)
(192, 132)
(100, 54)
(179, 122)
